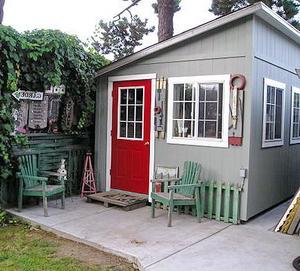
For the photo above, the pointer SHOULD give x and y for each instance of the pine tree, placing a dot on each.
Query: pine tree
(121, 36)
(287, 9)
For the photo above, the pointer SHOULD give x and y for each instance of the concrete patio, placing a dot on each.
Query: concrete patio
(188, 245)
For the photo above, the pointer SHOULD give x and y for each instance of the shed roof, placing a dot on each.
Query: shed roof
(259, 9)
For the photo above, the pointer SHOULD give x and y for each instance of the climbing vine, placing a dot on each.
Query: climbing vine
(35, 61)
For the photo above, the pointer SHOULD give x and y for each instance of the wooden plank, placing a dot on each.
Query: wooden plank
(227, 202)
(218, 201)
(202, 199)
(236, 204)
(295, 220)
(210, 200)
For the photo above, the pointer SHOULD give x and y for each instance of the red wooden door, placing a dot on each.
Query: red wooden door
(131, 136)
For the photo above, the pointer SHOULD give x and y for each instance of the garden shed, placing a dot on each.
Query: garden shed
(184, 99)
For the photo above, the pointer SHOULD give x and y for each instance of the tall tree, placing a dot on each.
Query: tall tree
(1, 10)
(165, 10)
(123, 34)
(287, 9)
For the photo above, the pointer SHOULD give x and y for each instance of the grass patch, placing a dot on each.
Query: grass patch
(25, 248)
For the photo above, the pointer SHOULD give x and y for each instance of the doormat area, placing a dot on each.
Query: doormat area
(124, 200)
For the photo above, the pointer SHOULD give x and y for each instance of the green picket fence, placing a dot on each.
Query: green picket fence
(220, 201)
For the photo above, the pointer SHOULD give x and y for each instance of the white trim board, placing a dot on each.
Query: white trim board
(111, 80)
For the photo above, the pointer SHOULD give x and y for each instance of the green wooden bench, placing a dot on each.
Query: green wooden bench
(185, 191)
(35, 183)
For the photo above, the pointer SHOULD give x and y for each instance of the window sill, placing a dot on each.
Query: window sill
(219, 143)
(273, 143)
(294, 141)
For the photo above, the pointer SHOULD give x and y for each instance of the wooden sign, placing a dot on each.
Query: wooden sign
(28, 95)
(21, 115)
(38, 114)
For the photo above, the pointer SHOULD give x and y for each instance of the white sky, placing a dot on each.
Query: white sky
(80, 17)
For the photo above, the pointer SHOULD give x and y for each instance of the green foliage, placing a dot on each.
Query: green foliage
(176, 6)
(35, 61)
(6, 219)
(287, 9)
(120, 37)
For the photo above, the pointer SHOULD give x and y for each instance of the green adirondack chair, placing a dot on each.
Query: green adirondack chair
(185, 191)
(34, 183)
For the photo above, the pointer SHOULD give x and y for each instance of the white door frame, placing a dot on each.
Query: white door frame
(111, 81)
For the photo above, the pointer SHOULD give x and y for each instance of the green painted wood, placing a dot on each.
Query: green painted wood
(181, 194)
(236, 204)
(202, 199)
(227, 202)
(210, 200)
(218, 201)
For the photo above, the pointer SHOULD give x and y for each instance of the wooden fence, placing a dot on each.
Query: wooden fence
(220, 201)
(51, 148)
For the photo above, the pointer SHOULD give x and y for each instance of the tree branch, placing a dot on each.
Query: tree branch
(125, 9)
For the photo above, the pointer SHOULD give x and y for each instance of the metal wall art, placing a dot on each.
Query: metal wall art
(160, 108)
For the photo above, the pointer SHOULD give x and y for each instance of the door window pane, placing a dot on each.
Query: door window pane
(131, 113)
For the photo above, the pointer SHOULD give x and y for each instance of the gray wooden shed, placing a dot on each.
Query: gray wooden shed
(173, 102)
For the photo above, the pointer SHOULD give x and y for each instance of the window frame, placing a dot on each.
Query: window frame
(200, 141)
(293, 140)
(280, 141)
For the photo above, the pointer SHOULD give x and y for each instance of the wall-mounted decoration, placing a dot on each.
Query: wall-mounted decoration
(68, 114)
(160, 108)
(59, 90)
(21, 117)
(236, 103)
(28, 95)
(38, 114)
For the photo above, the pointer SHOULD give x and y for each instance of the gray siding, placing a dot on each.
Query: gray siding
(221, 52)
(274, 172)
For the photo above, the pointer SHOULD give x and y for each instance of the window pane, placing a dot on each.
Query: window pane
(270, 94)
(139, 95)
(296, 115)
(270, 113)
(178, 92)
(269, 131)
(212, 93)
(201, 129)
(123, 129)
(278, 122)
(188, 113)
(202, 93)
(211, 111)
(201, 110)
(139, 112)
(295, 130)
(123, 96)
(130, 130)
(279, 96)
(178, 128)
(131, 96)
(138, 130)
(210, 129)
(188, 92)
(130, 112)
(188, 128)
(178, 111)
(123, 113)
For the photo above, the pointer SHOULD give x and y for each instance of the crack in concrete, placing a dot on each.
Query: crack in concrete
(182, 249)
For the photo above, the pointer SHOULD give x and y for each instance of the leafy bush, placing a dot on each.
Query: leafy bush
(6, 219)
(35, 61)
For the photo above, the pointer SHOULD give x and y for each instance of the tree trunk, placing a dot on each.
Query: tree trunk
(1, 10)
(165, 19)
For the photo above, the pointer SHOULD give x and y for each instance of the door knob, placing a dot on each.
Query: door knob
(146, 143)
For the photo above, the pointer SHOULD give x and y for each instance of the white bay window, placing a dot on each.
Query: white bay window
(198, 110)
